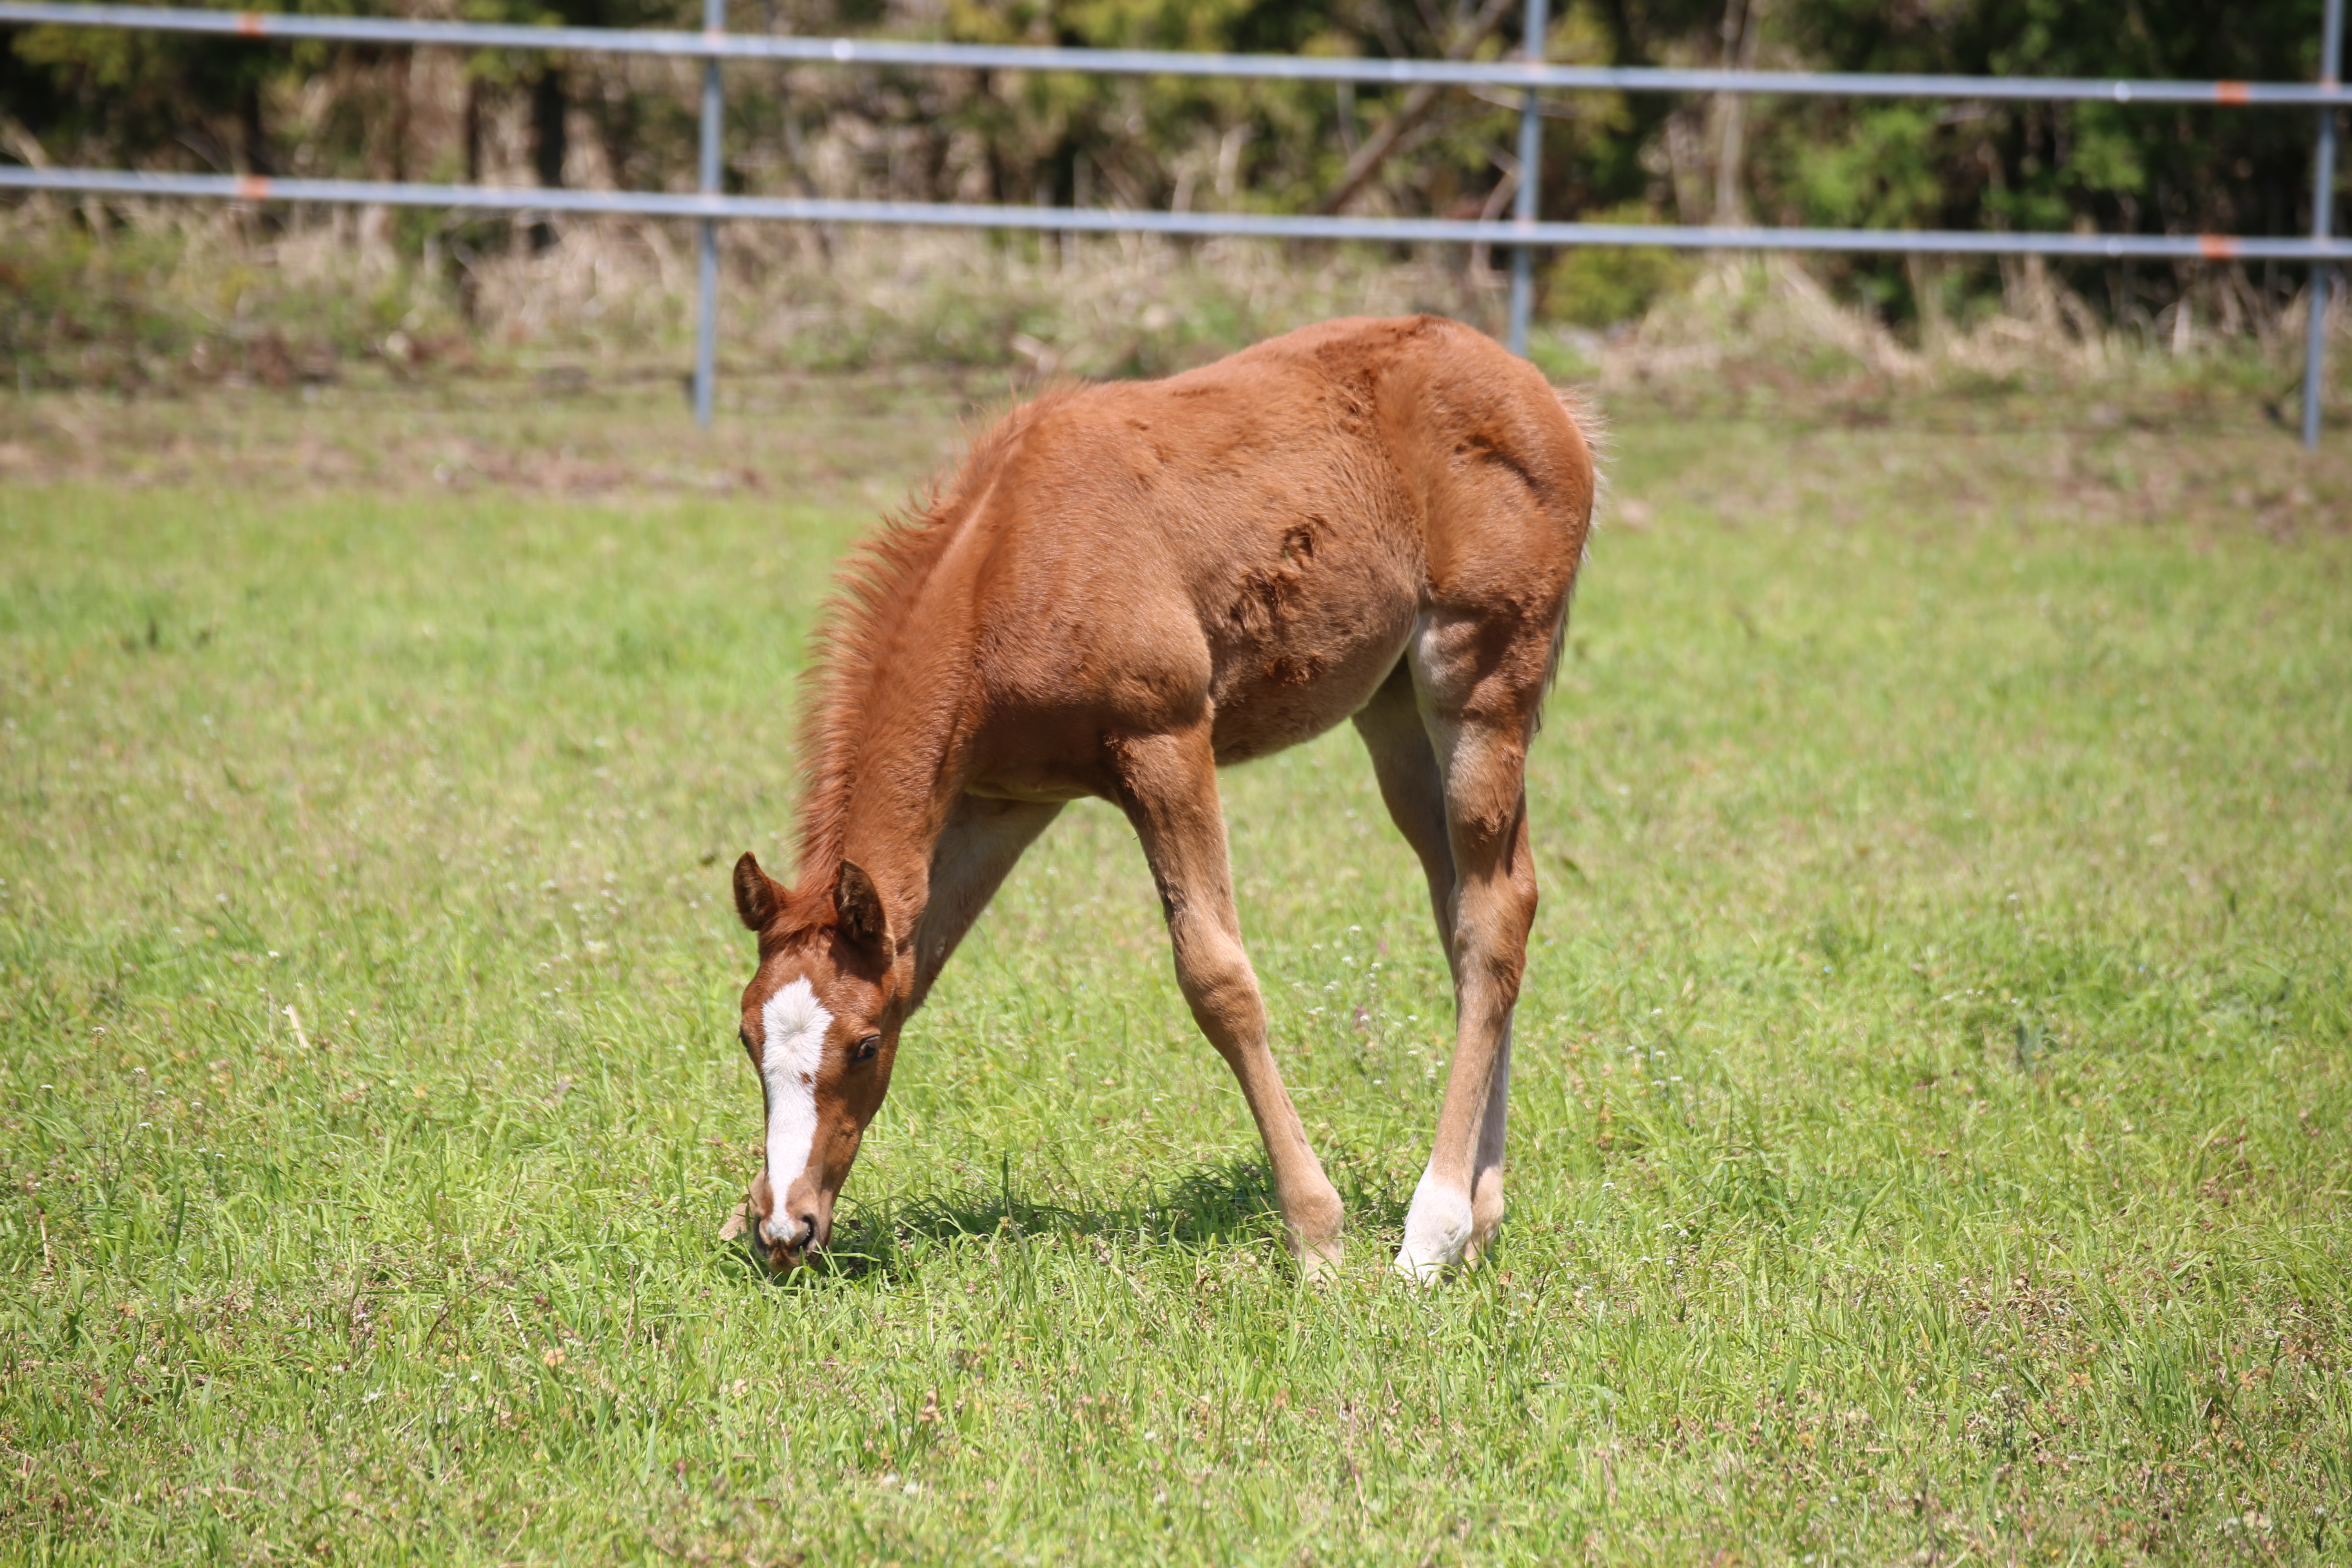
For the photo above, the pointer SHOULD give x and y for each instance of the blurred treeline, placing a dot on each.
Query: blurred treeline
(156, 100)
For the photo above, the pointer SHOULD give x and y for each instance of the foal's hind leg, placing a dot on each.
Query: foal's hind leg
(1405, 764)
(1168, 787)
(1412, 788)
(1478, 693)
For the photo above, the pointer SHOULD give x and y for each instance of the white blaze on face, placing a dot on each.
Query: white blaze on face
(795, 1022)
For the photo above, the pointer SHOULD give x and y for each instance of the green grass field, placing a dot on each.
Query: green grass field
(1929, 1134)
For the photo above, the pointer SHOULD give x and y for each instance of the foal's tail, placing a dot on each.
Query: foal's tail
(1594, 428)
(1593, 425)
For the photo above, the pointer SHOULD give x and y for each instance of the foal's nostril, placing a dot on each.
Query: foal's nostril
(807, 1230)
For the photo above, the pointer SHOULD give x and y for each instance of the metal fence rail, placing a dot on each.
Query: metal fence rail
(1255, 226)
(1524, 233)
(716, 43)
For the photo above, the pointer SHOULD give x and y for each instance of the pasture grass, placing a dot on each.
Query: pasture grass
(1929, 1128)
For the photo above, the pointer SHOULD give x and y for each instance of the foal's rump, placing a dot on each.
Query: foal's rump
(1257, 539)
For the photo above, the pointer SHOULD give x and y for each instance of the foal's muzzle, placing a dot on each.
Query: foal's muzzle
(788, 1226)
(796, 1233)
(789, 1239)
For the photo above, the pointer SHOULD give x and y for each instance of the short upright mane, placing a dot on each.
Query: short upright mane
(873, 591)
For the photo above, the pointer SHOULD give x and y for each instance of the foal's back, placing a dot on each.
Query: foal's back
(1259, 538)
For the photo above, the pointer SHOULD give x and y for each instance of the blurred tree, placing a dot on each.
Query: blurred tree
(160, 100)
(2131, 169)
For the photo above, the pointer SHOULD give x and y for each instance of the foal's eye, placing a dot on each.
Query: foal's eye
(865, 1049)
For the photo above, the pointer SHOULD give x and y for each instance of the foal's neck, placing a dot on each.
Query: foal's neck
(885, 733)
(888, 771)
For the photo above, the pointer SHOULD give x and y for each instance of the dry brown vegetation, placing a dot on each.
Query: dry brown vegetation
(2098, 431)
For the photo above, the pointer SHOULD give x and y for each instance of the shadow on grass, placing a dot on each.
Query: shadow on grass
(1226, 1202)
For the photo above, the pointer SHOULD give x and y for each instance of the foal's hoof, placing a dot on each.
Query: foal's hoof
(1321, 1261)
(1436, 1229)
(1415, 1269)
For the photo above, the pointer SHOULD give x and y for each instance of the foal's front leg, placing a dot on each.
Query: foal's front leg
(982, 843)
(1169, 788)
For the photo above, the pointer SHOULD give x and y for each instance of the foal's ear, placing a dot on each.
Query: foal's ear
(859, 904)
(757, 896)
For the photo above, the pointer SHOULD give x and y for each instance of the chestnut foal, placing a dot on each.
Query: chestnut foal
(1125, 587)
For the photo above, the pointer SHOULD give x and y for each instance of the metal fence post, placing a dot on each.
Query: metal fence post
(2323, 223)
(1523, 202)
(706, 328)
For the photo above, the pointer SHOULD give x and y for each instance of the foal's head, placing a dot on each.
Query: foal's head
(821, 1019)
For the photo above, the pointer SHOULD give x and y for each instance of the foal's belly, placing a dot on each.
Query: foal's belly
(1306, 673)
(1284, 683)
